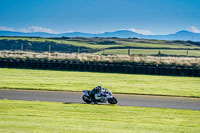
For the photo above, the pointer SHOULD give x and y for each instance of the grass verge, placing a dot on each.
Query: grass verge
(35, 116)
(117, 83)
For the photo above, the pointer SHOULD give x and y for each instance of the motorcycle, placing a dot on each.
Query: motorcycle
(105, 96)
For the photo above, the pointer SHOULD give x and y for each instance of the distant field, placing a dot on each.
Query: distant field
(151, 52)
(157, 45)
(75, 43)
(97, 46)
(117, 83)
(90, 43)
(35, 116)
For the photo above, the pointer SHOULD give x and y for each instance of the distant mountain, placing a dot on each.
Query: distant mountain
(76, 34)
(120, 34)
(181, 35)
(34, 34)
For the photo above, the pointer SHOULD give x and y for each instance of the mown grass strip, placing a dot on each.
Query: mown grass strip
(35, 116)
(117, 83)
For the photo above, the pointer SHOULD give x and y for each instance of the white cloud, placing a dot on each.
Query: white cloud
(6, 28)
(29, 29)
(141, 31)
(68, 31)
(194, 29)
(36, 29)
(47, 30)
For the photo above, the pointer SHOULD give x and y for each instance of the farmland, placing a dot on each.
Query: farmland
(117, 83)
(101, 45)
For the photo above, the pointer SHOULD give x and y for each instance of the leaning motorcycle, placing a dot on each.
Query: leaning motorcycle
(105, 97)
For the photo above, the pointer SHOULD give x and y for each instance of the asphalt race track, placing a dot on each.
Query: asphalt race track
(123, 99)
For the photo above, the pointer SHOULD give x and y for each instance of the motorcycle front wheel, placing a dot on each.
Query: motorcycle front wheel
(112, 100)
(86, 99)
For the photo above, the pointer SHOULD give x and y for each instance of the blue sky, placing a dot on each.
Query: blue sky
(94, 16)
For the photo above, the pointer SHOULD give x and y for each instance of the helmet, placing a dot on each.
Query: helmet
(99, 88)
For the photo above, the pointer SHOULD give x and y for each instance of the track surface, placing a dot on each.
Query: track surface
(123, 100)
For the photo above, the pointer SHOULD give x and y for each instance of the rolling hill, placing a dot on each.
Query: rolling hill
(181, 35)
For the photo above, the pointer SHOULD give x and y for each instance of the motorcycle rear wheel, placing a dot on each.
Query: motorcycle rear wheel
(112, 100)
(86, 99)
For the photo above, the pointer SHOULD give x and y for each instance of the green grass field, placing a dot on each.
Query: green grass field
(117, 83)
(151, 52)
(35, 116)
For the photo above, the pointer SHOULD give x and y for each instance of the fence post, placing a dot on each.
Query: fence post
(129, 52)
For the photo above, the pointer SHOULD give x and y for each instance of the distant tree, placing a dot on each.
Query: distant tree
(179, 41)
(107, 42)
(63, 37)
(194, 43)
(159, 53)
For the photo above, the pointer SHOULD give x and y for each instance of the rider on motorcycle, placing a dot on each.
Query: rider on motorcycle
(95, 94)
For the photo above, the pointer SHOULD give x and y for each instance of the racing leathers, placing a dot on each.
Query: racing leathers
(96, 94)
(92, 94)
